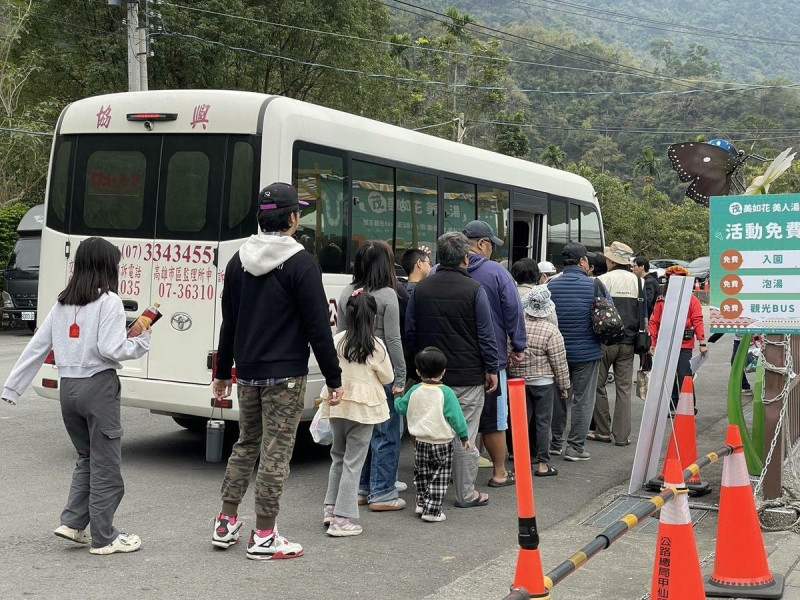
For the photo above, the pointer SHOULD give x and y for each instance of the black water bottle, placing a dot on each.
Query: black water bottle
(215, 434)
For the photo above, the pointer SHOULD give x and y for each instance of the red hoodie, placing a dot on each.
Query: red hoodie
(693, 320)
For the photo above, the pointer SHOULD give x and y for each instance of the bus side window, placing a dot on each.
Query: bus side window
(590, 229)
(556, 230)
(57, 209)
(493, 208)
(459, 204)
(416, 214)
(320, 180)
(373, 203)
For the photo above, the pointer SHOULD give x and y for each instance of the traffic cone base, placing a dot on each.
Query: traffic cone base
(529, 564)
(741, 568)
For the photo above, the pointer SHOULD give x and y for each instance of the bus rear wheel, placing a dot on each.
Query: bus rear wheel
(193, 424)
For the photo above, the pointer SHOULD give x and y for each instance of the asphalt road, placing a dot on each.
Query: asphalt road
(172, 496)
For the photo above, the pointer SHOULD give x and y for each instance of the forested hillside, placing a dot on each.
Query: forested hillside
(526, 84)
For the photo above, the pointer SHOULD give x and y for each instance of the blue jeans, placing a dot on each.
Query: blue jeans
(380, 469)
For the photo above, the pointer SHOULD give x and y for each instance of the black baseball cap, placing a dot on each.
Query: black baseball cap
(479, 229)
(574, 251)
(278, 195)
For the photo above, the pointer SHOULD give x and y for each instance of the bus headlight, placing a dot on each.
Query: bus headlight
(7, 302)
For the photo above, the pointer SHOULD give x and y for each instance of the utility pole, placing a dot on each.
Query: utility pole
(144, 48)
(134, 66)
(461, 128)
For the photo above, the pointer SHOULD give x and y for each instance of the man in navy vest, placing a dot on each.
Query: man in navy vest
(573, 294)
(450, 310)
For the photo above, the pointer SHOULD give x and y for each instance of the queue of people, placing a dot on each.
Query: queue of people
(435, 348)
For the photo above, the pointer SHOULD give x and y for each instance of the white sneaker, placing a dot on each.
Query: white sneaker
(327, 515)
(68, 533)
(400, 486)
(484, 463)
(434, 518)
(125, 542)
(272, 547)
(344, 528)
(226, 531)
(419, 509)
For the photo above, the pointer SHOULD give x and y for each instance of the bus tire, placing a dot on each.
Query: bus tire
(193, 424)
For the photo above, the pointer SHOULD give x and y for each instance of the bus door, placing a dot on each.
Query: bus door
(114, 191)
(184, 277)
(528, 217)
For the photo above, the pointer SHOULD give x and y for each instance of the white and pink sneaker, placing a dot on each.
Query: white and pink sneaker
(226, 531)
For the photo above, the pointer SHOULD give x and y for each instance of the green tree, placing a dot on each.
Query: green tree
(647, 163)
(603, 154)
(511, 139)
(553, 157)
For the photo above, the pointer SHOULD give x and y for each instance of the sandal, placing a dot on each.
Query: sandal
(510, 480)
(596, 437)
(480, 500)
(549, 473)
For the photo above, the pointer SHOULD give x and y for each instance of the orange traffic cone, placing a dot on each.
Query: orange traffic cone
(683, 441)
(696, 285)
(676, 572)
(708, 285)
(741, 569)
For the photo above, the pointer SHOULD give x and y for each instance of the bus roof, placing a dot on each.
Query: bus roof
(282, 119)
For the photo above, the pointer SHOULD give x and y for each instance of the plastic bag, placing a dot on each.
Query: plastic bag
(642, 384)
(320, 429)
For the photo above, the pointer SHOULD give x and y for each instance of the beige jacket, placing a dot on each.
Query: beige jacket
(363, 396)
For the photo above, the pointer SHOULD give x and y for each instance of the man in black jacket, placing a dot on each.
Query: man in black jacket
(273, 308)
(652, 289)
(450, 310)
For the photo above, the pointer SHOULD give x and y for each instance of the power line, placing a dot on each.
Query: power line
(431, 82)
(419, 48)
(437, 125)
(25, 131)
(73, 25)
(558, 50)
(640, 130)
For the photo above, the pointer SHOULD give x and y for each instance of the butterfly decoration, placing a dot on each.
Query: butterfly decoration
(713, 168)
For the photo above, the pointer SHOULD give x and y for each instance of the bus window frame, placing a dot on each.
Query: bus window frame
(63, 225)
(226, 232)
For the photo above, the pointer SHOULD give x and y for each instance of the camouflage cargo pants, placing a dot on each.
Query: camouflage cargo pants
(268, 420)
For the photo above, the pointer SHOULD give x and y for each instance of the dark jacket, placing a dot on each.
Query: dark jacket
(405, 289)
(623, 286)
(449, 310)
(573, 294)
(269, 320)
(507, 315)
(652, 290)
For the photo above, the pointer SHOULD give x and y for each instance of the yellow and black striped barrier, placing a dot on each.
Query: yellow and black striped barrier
(616, 530)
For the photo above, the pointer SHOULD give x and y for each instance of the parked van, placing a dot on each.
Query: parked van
(21, 274)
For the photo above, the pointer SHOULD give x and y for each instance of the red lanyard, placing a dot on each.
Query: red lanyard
(74, 329)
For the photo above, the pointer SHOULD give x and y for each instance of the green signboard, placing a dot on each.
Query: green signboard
(755, 264)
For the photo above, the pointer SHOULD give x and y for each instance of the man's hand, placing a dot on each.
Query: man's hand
(516, 358)
(9, 401)
(491, 382)
(398, 391)
(221, 388)
(467, 446)
(334, 396)
(564, 394)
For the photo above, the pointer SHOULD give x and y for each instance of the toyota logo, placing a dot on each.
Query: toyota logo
(181, 321)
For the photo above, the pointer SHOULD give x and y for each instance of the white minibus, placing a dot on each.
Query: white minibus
(171, 177)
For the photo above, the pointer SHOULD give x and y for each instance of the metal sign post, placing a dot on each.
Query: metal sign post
(662, 378)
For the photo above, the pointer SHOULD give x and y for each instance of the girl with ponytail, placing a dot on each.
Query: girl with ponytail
(366, 368)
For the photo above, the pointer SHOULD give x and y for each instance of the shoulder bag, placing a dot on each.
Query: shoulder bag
(606, 322)
(641, 345)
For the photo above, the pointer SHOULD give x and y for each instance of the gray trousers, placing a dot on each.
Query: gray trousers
(90, 409)
(621, 357)
(465, 462)
(583, 377)
(349, 451)
(539, 400)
